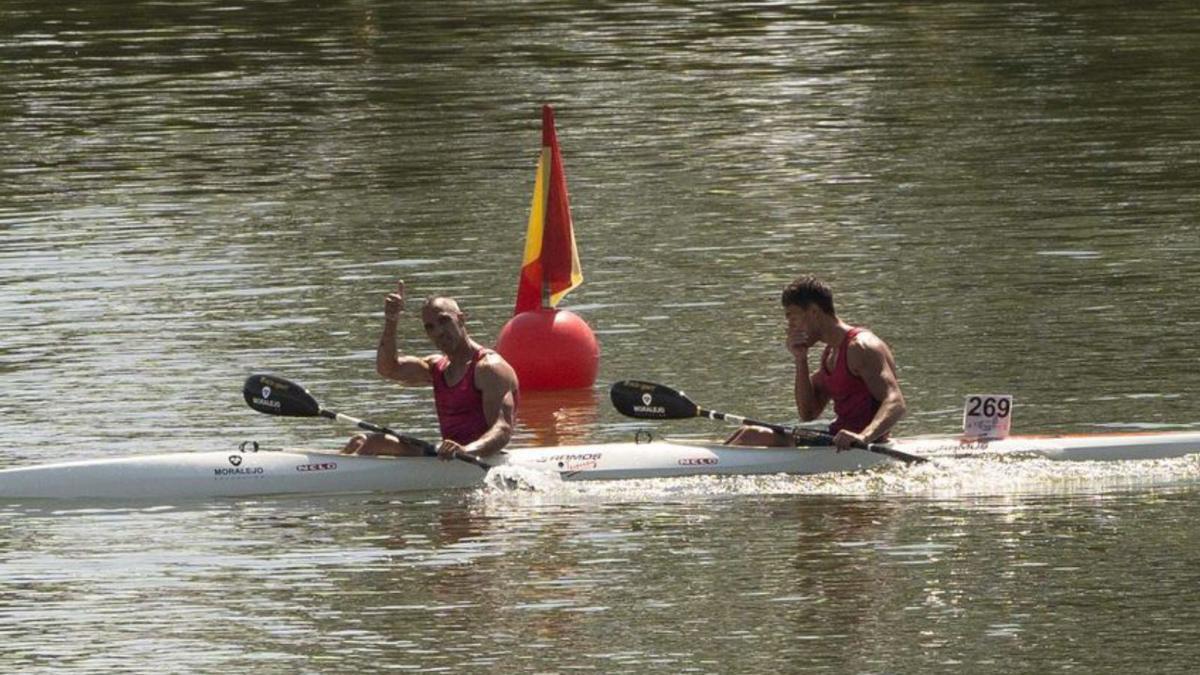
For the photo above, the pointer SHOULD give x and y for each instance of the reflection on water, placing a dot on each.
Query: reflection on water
(191, 192)
(464, 581)
(559, 417)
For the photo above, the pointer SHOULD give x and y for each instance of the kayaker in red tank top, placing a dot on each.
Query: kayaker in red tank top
(853, 405)
(858, 374)
(459, 405)
(475, 390)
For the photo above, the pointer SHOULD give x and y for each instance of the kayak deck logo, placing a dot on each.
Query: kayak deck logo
(323, 466)
(237, 470)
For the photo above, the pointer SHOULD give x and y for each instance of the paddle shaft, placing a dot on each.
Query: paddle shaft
(824, 437)
(426, 447)
(738, 419)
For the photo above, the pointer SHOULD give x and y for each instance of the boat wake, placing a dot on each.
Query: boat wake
(984, 476)
(939, 478)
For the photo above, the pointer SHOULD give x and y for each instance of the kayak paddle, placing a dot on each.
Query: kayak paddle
(278, 396)
(647, 400)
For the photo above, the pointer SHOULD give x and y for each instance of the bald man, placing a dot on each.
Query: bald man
(474, 388)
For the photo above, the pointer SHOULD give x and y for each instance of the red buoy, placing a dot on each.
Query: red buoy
(550, 349)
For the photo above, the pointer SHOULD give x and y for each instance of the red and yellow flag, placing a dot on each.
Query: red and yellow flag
(551, 260)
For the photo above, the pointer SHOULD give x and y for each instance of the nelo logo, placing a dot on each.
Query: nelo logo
(323, 466)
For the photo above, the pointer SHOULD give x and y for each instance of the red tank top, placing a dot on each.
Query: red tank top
(853, 404)
(459, 407)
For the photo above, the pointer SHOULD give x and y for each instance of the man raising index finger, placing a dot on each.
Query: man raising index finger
(475, 391)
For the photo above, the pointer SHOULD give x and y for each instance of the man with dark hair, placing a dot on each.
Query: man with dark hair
(808, 290)
(474, 389)
(856, 371)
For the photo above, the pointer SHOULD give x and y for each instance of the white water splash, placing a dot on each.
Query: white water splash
(940, 478)
(511, 478)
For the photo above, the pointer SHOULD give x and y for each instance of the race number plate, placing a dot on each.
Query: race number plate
(987, 416)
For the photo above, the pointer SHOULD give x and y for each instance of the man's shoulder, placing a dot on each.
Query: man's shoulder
(864, 336)
(490, 358)
(865, 340)
(493, 364)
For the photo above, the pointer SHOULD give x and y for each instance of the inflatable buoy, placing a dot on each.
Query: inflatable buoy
(550, 349)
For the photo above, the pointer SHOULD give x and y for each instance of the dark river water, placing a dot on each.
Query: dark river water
(1006, 192)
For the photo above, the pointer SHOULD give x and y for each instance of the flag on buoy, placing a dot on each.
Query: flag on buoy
(549, 348)
(550, 266)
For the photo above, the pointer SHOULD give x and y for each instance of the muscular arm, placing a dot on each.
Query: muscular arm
(869, 358)
(390, 363)
(497, 382)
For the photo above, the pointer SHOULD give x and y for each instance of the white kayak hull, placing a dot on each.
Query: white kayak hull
(197, 475)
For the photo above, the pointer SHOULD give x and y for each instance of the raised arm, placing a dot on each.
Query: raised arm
(389, 362)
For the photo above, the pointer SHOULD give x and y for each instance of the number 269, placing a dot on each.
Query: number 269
(986, 406)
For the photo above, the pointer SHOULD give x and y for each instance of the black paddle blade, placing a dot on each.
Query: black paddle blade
(647, 400)
(277, 396)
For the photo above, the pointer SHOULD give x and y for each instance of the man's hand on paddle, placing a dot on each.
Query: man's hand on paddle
(844, 440)
(448, 449)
